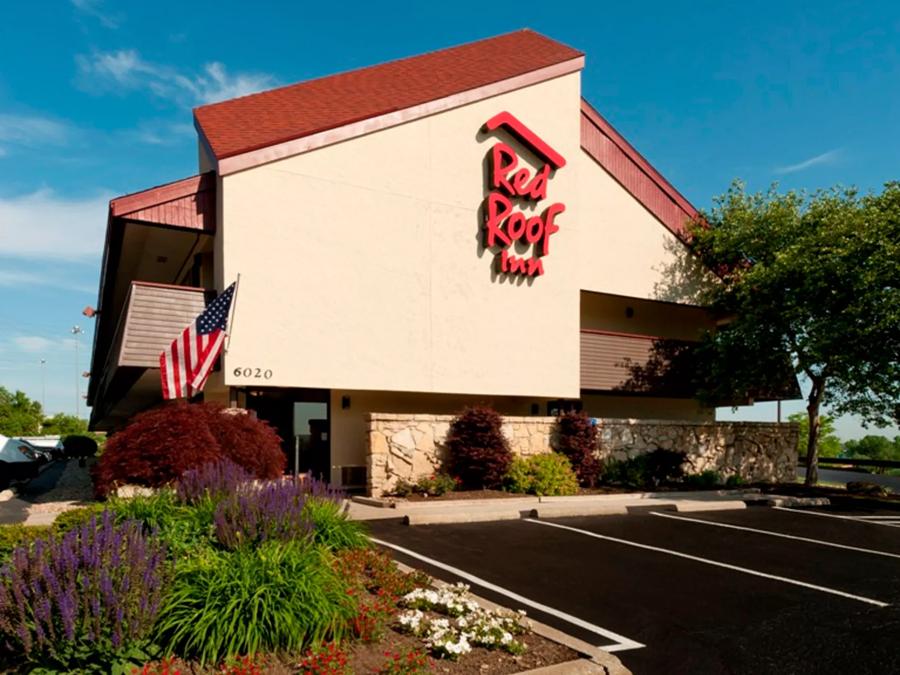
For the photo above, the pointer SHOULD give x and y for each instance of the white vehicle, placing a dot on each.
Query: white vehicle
(19, 460)
(50, 446)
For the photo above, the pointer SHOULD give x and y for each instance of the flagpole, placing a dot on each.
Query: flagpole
(237, 286)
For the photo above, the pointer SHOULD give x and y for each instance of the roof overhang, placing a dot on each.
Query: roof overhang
(391, 118)
(184, 205)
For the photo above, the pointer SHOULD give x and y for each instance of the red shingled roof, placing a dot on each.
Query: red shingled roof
(270, 117)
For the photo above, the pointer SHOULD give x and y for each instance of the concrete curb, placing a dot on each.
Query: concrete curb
(596, 660)
(472, 516)
(487, 510)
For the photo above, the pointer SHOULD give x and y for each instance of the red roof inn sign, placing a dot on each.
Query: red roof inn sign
(512, 183)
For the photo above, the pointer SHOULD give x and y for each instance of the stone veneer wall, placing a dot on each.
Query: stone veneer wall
(408, 447)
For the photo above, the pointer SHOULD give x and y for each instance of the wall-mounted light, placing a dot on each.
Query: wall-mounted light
(345, 402)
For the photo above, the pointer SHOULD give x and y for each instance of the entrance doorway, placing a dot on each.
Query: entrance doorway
(302, 418)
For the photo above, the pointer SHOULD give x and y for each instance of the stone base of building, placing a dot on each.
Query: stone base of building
(408, 447)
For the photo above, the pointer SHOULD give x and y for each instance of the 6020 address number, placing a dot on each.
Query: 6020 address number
(255, 373)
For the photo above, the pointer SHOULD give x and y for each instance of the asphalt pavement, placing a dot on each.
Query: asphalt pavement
(759, 590)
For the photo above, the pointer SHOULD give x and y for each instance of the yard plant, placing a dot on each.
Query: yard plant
(158, 446)
(87, 599)
(478, 453)
(547, 474)
(808, 284)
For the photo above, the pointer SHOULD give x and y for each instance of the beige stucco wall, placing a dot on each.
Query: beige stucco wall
(623, 249)
(361, 265)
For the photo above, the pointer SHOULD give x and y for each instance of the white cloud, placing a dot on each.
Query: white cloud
(51, 279)
(126, 69)
(42, 225)
(92, 8)
(32, 130)
(824, 159)
(33, 343)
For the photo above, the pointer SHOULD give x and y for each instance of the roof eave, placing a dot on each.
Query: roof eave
(295, 146)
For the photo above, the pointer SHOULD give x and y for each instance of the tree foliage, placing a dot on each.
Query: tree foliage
(19, 415)
(64, 425)
(828, 441)
(815, 277)
(873, 447)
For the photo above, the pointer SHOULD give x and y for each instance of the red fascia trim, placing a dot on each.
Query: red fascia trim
(607, 129)
(523, 133)
(136, 201)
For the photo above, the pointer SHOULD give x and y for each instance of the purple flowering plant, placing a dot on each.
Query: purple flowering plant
(273, 510)
(211, 482)
(86, 599)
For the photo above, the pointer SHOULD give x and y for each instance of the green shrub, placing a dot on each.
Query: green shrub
(66, 520)
(547, 474)
(332, 527)
(705, 480)
(436, 485)
(649, 470)
(734, 481)
(478, 453)
(182, 528)
(14, 536)
(278, 597)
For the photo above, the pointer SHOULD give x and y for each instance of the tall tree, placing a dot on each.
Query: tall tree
(63, 425)
(815, 277)
(19, 415)
(873, 447)
(828, 441)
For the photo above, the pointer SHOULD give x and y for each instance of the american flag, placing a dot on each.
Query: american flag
(185, 364)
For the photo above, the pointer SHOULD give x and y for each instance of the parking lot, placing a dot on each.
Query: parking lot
(761, 590)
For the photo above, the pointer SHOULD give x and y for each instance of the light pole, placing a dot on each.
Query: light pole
(76, 331)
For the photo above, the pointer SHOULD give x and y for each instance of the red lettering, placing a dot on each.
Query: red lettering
(500, 169)
(537, 189)
(510, 180)
(520, 180)
(498, 207)
(516, 265)
(515, 226)
(534, 229)
(535, 267)
(550, 226)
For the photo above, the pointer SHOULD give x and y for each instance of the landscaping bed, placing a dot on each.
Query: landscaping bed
(221, 573)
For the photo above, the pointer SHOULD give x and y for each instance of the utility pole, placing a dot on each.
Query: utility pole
(76, 331)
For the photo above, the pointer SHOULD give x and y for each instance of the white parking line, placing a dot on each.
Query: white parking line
(879, 517)
(715, 563)
(832, 515)
(622, 643)
(775, 534)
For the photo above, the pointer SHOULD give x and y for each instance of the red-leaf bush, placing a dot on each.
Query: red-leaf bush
(576, 438)
(159, 445)
(478, 453)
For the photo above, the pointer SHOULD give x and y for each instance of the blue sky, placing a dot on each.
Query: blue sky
(95, 100)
